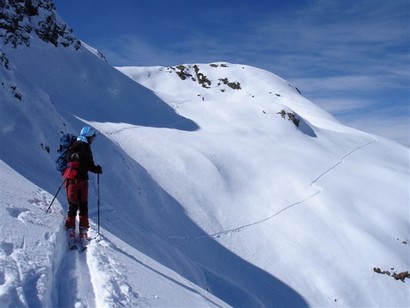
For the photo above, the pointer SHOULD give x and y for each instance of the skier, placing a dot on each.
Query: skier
(80, 161)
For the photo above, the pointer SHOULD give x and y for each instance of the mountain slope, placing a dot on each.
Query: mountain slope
(225, 187)
(340, 192)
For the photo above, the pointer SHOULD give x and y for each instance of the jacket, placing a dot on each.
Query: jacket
(82, 162)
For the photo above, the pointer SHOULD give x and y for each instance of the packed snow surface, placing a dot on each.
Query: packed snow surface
(222, 186)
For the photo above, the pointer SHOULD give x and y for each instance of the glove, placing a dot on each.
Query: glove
(75, 156)
(98, 169)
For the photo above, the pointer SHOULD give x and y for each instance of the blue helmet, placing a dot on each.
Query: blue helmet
(88, 131)
(87, 134)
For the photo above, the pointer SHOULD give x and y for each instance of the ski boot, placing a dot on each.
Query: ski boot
(83, 238)
(71, 238)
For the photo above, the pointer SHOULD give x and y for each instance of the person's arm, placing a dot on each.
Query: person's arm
(91, 165)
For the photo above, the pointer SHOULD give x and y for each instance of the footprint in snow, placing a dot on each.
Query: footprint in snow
(2, 278)
(36, 202)
(40, 199)
(16, 211)
(7, 248)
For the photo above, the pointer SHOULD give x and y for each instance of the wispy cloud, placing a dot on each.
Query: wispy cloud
(393, 126)
(350, 56)
(337, 84)
(338, 35)
(341, 106)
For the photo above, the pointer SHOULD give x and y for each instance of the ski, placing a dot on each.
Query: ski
(83, 239)
(72, 245)
(80, 243)
(83, 244)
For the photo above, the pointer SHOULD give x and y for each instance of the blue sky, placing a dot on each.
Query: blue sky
(351, 57)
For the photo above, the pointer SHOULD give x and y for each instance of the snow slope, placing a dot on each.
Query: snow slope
(210, 196)
(323, 199)
(38, 271)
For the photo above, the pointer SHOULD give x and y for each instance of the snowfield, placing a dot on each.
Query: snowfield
(38, 270)
(222, 186)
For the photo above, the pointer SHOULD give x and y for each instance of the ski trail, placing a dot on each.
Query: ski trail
(90, 278)
(319, 190)
(240, 228)
(85, 288)
(218, 234)
(66, 281)
(341, 161)
(73, 283)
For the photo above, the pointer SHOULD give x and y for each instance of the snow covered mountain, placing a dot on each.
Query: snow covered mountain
(222, 186)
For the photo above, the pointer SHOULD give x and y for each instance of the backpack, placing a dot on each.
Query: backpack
(66, 141)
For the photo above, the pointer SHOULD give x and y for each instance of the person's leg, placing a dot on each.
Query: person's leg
(83, 207)
(72, 198)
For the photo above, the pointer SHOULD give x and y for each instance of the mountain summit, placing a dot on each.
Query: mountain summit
(222, 186)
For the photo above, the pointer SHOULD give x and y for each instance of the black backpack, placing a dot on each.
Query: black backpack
(66, 141)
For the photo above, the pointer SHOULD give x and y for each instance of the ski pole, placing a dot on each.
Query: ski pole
(55, 196)
(98, 203)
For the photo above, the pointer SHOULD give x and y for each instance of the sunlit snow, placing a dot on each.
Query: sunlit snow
(222, 186)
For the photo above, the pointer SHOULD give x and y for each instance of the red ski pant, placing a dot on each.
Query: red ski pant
(77, 196)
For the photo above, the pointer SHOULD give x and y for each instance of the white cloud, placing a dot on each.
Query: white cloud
(335, 84)
(393, 127)
(337, 106)
(349, 57)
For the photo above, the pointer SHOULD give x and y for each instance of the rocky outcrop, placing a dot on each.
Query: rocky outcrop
(21, 19)
(397, 276)
(185, 72)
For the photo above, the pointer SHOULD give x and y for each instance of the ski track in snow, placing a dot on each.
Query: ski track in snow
(342, 160)
(91, 278)
(85, 287)
(313, 183)
(74, 287)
